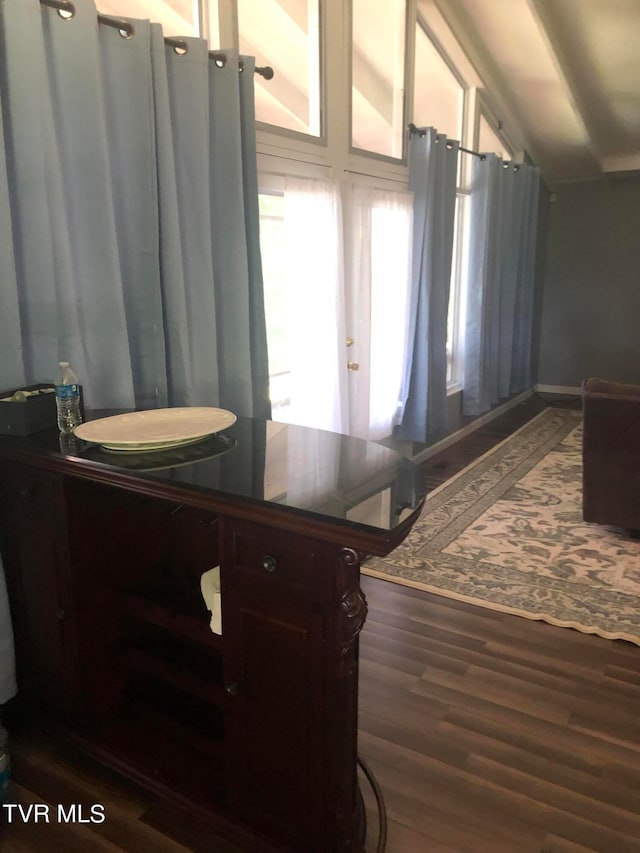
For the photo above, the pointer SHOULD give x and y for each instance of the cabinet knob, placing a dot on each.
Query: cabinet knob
(232, 688)
(269, 563)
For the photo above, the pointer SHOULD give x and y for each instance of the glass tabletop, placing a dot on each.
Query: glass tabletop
(314, 471)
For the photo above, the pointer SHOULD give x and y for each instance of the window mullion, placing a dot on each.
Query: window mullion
(337, 57)
(227, 23)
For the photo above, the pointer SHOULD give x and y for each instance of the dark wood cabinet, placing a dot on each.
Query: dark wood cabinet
(39, 583)
(278, 600)
(254, 729)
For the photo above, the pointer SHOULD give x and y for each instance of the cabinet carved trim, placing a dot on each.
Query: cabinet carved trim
(353, 608)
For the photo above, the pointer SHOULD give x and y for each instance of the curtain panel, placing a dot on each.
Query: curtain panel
(500, 283)
(128, 215)
(433, 164)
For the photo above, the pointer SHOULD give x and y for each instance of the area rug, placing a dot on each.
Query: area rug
(506, 533)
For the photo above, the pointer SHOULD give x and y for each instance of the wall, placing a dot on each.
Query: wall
(590, 317)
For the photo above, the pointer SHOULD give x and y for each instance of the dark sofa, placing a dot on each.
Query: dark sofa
(611, 453)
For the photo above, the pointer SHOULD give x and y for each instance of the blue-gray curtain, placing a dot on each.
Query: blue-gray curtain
(433, 162)
(499, 283)
(129, 238)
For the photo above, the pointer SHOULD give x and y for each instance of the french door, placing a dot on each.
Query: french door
(337, 272)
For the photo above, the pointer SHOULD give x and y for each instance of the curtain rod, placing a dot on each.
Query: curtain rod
(422, 131)
(127, 31)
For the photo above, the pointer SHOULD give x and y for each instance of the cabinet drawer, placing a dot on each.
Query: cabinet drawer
(264, 556)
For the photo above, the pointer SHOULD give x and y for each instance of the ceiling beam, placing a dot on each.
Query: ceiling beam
(546, 17)
(504, 106)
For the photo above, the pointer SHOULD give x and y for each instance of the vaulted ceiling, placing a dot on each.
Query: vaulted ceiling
(567, 72)
(562, 76)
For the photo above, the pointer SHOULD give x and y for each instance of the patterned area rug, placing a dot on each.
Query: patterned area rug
(507, 533)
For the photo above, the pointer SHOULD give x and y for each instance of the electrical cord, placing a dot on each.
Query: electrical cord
(382, 811)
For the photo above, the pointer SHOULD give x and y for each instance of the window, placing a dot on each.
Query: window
(336, 112)
(284, 34)
(272, 249)
(439, 102)
(297, 187)
(311, 243)
(377, 76)
(455, 316)
(438, 97)
(489, 142)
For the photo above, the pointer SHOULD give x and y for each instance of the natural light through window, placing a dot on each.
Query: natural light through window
(490, 143)
(438, 98)
(272, 249)
(285, 35)
(377, 68)
(390, 262)
(455, 318)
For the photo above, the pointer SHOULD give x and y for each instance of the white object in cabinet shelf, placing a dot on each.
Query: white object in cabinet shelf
(210, 586)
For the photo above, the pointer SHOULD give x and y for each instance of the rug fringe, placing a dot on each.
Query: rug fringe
(502, 608)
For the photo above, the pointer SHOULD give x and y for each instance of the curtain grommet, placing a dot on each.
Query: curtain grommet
(220, 59)
(66, 10)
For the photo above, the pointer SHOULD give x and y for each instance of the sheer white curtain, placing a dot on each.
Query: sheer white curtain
(313, 273)
(378, 261)
(346, 278)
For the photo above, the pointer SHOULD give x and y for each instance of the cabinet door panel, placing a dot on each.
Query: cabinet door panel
(37, 575)
(44, 617)
(275, 720)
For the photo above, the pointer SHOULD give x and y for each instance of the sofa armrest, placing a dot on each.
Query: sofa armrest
(611, 453)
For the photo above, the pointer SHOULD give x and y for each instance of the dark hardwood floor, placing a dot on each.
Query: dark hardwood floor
(486, 733)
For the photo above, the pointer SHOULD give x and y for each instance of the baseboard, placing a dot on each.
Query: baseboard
(428, 452)
(565, 390)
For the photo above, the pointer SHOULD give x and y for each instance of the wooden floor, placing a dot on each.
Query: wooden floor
(486, 732)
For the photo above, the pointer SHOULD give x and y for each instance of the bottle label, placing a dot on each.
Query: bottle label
(66, 391)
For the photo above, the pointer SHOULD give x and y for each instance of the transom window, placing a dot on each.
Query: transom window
(285, 35)
(438, 96)
(378, 75)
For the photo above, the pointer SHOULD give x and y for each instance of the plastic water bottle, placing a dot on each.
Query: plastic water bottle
(5, 766)
(67, 399)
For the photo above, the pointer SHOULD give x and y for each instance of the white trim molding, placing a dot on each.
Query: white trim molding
(565, 390)
(428, 452)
